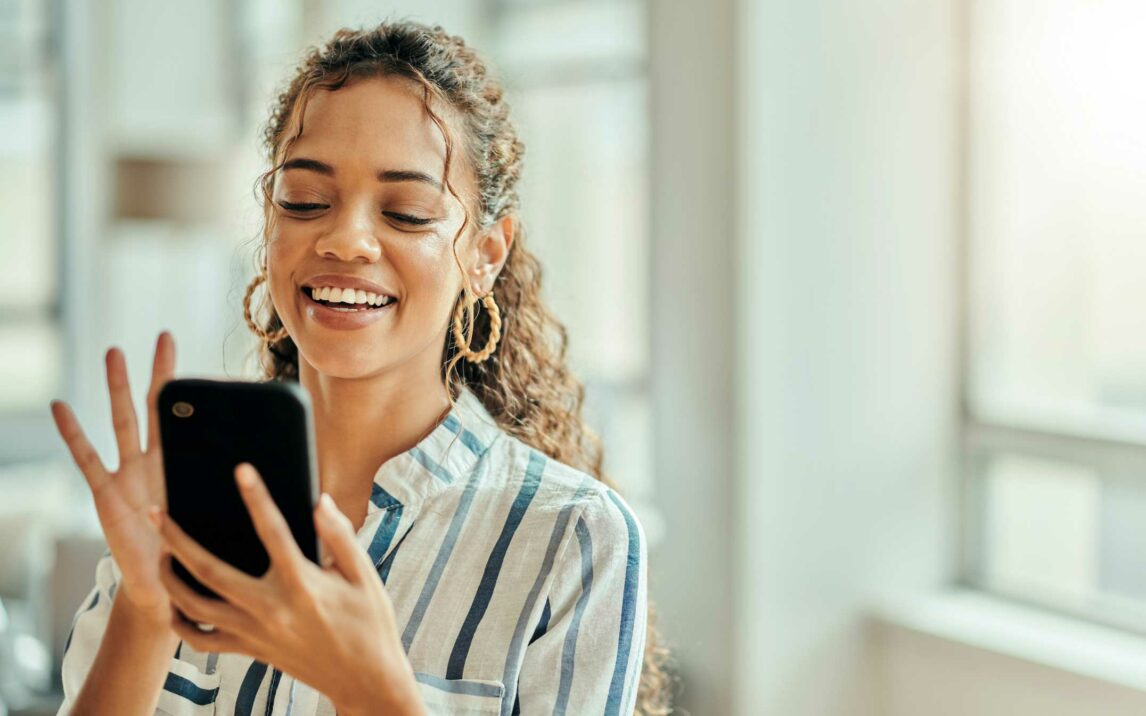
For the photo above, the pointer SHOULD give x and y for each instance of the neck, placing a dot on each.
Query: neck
(360, 423)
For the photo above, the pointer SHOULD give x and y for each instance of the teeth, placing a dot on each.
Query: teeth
(350, 296)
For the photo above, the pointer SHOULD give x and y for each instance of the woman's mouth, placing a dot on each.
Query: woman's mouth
(347, 299)
(345, 308)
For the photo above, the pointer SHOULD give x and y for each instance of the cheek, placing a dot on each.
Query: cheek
(429, 274)
(283, 256)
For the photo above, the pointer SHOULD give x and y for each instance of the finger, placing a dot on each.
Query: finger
(271, 526)
(237, 587)
(84, 455)
(122, 410)
(337, 533)
(194, 605)
(162, 370)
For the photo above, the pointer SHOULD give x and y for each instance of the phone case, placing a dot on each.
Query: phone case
(207, 427)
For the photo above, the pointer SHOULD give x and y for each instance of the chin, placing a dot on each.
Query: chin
(345, 363)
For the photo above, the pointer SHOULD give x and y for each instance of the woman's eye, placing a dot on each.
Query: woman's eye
(301, 208)
(408, 219)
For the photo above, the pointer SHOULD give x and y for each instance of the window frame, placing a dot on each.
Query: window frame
(992, 429)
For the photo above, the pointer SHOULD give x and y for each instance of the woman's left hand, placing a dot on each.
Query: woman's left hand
(332, 627)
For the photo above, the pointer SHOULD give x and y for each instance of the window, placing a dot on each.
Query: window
(1056, 289)
(576, 79)
(31, 371)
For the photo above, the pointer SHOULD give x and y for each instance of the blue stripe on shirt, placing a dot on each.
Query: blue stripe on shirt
(543, 624)
(187, 689)
(430, 464)
(628, 609)
(384, 569)
(443, 556)
(461, 650)
(384, 534)
(381, 498)
(276, 676)
(512, 663)
(249, 689)
(468, 439)
(569, 649)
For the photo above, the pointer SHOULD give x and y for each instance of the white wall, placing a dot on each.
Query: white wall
(692, 219)
(938, 677)
(846, 336)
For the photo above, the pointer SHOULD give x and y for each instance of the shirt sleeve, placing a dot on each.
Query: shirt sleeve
(87, 630)
(586, 654)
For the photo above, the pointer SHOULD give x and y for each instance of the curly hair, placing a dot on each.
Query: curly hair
(526, 384)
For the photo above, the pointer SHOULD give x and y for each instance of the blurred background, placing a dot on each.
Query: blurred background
(855, 286)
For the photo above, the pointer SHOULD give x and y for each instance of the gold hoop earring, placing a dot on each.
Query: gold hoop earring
(267, 338)
(494, 330)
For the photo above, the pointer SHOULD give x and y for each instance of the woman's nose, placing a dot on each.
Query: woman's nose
(351, 238)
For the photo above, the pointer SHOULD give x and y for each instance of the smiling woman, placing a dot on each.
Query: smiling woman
(355, 189)
(482, 561)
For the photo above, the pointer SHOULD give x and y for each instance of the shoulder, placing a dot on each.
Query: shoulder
(551, 488)
(513, 467)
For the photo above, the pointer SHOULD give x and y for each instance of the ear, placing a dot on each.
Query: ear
(491, 250)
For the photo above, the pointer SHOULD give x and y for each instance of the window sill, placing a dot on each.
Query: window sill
(1023, 632)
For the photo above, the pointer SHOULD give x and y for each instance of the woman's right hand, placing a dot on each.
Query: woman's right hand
(123, 498)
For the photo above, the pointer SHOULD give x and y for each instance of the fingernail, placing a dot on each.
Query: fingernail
(153, 516)
(327, 503)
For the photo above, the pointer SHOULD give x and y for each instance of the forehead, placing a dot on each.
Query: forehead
(376, 123)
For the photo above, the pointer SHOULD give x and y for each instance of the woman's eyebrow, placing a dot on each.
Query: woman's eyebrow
(408, 175)
(387, 175)
(310, 164)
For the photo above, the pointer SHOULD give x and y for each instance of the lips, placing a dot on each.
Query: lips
(344, 318)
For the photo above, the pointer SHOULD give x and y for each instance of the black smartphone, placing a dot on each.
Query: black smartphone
(207, 427)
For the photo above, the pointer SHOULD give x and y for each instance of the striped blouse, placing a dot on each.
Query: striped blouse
(519, 584)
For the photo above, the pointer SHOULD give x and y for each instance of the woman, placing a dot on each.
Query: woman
(480, 560)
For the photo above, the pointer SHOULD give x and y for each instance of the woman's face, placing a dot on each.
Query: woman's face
(359, 203)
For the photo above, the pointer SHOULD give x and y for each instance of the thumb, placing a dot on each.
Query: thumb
(337, 535)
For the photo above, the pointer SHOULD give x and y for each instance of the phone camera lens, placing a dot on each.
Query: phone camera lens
(182, 409)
